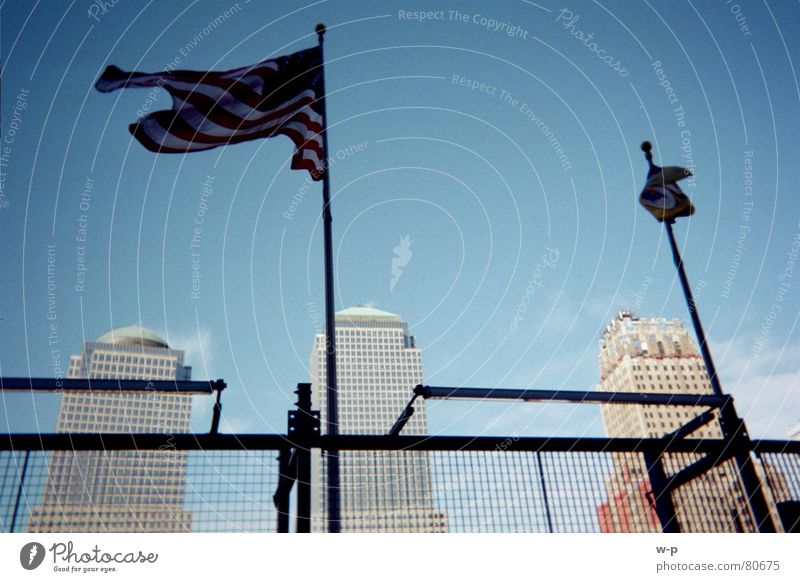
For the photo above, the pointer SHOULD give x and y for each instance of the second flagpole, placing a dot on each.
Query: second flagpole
(687, 290)
(732, 427)
(332, 409)
(690, 303)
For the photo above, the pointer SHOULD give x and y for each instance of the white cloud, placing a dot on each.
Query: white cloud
(199, 349)
(766, 385)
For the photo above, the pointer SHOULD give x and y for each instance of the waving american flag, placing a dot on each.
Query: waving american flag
(216, 108)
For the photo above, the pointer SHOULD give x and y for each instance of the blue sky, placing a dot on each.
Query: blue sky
(443, 130)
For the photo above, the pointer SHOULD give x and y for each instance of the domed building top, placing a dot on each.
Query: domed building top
(133, 335)
(366, 312)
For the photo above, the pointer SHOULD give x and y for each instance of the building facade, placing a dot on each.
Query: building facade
(658, 355)
(378, 365)
(120, 491)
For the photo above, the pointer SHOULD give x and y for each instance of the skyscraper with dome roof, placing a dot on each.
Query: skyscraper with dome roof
(378, 364)
(120, 491)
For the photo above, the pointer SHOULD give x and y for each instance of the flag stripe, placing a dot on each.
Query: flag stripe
(168, 135)
(245, 86)
(174, 122)
(224, 115)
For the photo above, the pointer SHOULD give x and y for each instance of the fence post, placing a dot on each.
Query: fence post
(662, 497)
(286, 479)
(306, 429)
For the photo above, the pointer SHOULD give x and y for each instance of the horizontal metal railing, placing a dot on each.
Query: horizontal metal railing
(21, 384)
(220, 441)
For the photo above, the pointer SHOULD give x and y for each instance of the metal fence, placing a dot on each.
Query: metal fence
(268, 483)
(454, 484)
(219, 487)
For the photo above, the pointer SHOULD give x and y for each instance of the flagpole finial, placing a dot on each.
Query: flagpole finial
(646, 147)
(320, 29)
(648, 154)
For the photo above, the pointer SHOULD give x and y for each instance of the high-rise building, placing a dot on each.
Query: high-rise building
(378, 365)
(120, 491)
(651, 355)
(658, 355)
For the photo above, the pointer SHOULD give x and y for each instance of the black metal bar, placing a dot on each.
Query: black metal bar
(217, 414)
(690, 303)
(144, 441)
(404, 417)
(88, 385)
(544, 492)
(580, 396)
(19, 492)
(735, 433)
(685, 430)
(204, 441)
(303, 518)
(196, 442)
(332, 421)
(662, 498)
(306, 432)
(285, 482)
(755, 494)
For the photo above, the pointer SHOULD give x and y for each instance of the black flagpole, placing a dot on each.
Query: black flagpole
(332, 420)
(698, 326)
(733, 428)
(687, 293)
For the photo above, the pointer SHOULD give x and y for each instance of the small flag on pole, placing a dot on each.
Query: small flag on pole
(662, 196)
(217, 108)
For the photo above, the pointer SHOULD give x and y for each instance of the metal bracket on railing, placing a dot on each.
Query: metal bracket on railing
(701, 466)
(217, 386)
(696, 423)
(404, 417)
